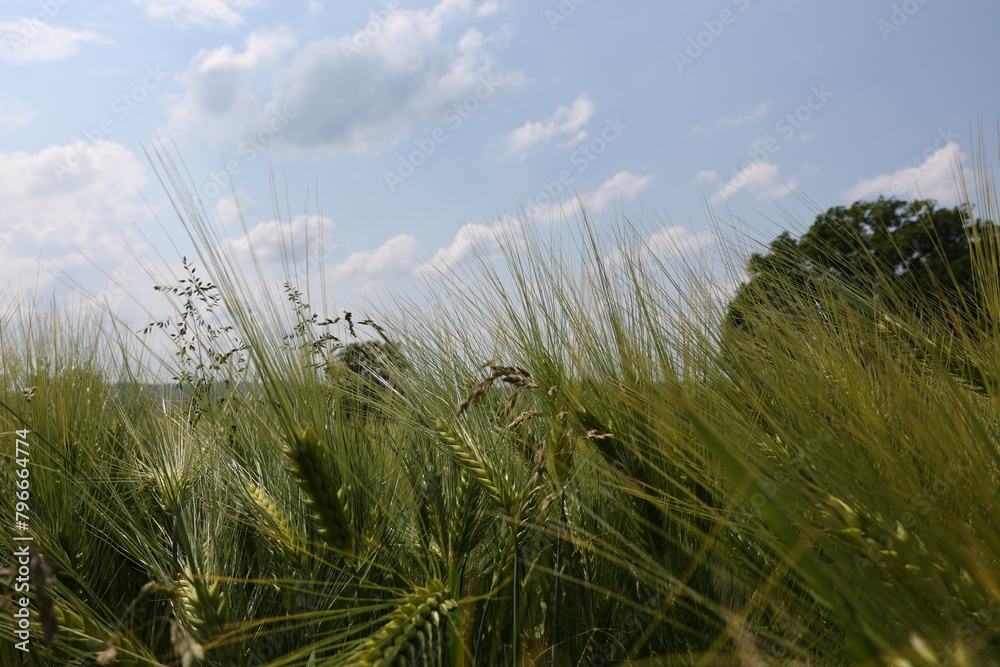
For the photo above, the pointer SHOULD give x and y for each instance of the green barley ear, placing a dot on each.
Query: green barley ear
(415, 630)
(283, 532)
(496, 485)
(203, 605)
(204, 609)
(84, 633)
(315, 473)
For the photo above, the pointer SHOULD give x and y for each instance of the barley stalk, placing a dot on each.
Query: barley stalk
(462, 528)
(89, 636)
(85, 633)
(413, 628)
(512, 375)
(204, 606)
(314, 473)
(518, 535)
(172, 486)
(284, 533)
(496, 485)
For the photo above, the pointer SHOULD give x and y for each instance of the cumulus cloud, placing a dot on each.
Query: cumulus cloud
(666, 242)
(705, 176)
(304, 240)
(196, 13)
(67, 205)
(624, 185)
(230, 211)
(14, 114)
(564, 120)
(357, 93)
(743, 117)
(28, 40)
(676, 241)
(761, 178)
(934, 178)
(62, 194)
(393, 258)
(490, 7)
(472, 240)
(219, 84)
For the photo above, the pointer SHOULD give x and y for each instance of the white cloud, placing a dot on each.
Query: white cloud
(357, 93)
(934, 178)
(393, 258)
(705, 176)
(676, 241)
(736, 119)
(263, 48)
(230, 210)
(743, 117)
(760, 143)
(489, 8)
(673, 241)
(219, 96)
(471, 240)
(575, 139)
(196, 13)
(761, 178)
(305, 238)
(65, 205)
(622, 185)
(29, 40)
(60, 194)
(14, 114)
(564, 120)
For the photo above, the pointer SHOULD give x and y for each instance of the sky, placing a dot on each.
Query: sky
(399, 135)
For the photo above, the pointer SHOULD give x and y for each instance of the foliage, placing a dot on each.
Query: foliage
(914, 251)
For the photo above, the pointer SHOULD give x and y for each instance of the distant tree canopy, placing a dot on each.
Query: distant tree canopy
(369, 371)
(914, 252)
(374, 361)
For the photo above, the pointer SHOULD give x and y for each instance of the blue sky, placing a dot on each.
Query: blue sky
(418, 128)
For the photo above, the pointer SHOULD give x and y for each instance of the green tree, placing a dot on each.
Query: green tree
(369, 373)
(907, 254)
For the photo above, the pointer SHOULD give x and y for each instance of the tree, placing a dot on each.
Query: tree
(909, 254)
(369, 372)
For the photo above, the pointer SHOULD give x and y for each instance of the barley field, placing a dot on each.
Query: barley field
(561, 457)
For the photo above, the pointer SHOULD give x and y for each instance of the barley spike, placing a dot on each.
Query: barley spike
(314, 472)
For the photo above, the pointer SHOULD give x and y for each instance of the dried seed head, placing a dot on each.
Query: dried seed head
(523, 417)
(513, 375)
(508, 405)
(475, 394)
